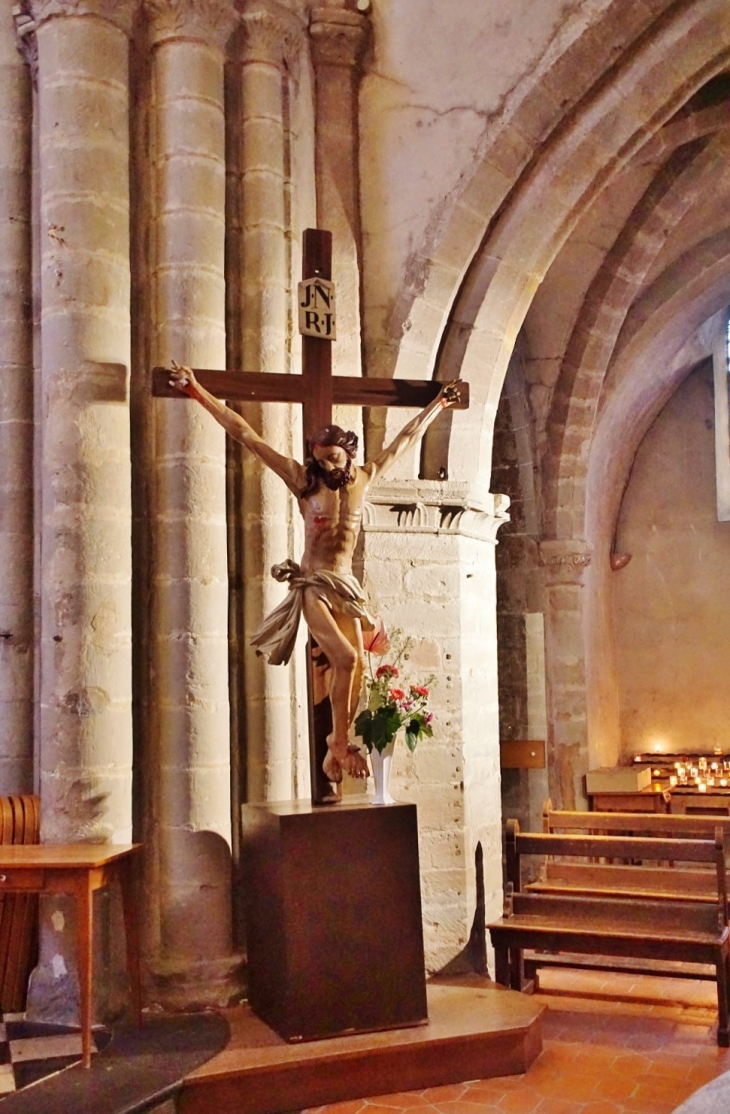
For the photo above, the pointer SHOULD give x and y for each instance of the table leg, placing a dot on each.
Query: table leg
(127, 877)
(85, 936)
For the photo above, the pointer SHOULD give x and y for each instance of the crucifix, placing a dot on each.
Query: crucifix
(331, 492)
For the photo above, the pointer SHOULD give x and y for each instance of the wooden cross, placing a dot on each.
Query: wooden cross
(316, 390)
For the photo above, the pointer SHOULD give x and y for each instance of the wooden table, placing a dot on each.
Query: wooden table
(79, 869)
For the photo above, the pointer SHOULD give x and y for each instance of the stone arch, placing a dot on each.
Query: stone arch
(528, 220)
(531, 112)
(645, 375)
(602, 319)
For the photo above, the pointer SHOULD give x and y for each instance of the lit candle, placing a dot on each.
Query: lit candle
(713, 766)
(673, 780)
(723, 781)
(710, 781)
(693, 771)
(656, 773)
(702, 788)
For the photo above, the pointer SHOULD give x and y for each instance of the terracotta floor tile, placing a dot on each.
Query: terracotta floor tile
(577, 1086)
(447, 1093)
(491, 1090)
(649, 1103)
(525, 1101)
(700, 1074)
(352, 1107)
(462, 1106)
(632, 1064)
(641, 1048)
(559, 1106)
(676, 1071)
(615, 1087)
(603, 1106)
(502, 1083)
(402, 1100)
(374, 1106)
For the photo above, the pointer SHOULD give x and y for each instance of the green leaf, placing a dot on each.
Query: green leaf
(364, 727)
(411, 739)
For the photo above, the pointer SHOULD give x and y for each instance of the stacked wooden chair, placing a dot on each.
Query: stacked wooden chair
(19, 823)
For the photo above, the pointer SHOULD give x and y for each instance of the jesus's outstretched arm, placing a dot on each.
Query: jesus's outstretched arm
(412, 432)
(290, 471)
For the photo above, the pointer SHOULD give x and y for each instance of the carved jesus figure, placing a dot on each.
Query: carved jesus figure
(330, 490)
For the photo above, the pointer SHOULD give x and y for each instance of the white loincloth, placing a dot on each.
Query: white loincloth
(276, 636)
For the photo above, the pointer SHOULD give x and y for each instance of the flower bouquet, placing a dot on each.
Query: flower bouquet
(391, 707)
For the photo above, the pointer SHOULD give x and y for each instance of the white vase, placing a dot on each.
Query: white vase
(381, 764)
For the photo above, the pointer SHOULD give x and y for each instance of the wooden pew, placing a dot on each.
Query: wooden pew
(632, 823)
(662, 931)
(679, 882)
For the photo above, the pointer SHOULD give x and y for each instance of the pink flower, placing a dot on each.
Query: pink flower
(397, 694)
(419, 690)
(386, 671)
(429, 717)
(377, 640)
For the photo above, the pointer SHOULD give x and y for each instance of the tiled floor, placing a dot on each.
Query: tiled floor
(613, 1044)
(29, 1052)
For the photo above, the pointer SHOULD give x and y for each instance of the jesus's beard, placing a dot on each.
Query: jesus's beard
(335, 478)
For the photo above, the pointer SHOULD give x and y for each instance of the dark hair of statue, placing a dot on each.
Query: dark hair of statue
(329, 435)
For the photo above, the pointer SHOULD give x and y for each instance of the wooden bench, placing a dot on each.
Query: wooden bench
(633, 823)
(680, 882)
(659, 930)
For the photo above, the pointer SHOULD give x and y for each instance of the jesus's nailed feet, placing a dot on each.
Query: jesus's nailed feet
(345, 757)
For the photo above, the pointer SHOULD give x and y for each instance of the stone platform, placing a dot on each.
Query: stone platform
(475, 1030)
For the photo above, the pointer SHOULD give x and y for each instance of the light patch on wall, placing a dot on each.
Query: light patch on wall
(58, 921)
(659, 745)
(59, 967)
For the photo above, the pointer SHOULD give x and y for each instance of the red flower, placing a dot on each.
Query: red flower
(386, 671)
(419, 690)
(397, 694)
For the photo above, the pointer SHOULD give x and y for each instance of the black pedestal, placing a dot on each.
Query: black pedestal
(333, 917)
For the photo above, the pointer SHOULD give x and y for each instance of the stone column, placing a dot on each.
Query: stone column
(269, 533)
(429, 570)
(338, 38)
(16, 420)
(85, 674)
(565, 564)
(189, 821)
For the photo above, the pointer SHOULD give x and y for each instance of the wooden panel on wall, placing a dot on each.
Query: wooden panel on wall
(522, 754)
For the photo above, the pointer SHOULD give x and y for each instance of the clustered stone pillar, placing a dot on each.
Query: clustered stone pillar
(85, 673)
(269, 532)
(189, 821)
(565, 564)
(430, 572)
(16, 421)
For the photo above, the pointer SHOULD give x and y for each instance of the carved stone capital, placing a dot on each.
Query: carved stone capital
(271, 33)
(564, 561)
(117, 12)
(211, 21)
(338, 36)
(433, 507)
